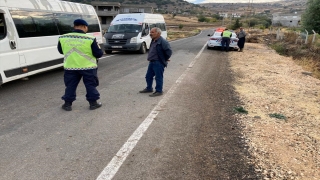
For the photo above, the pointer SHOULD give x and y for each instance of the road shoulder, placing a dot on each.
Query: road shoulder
(282, 126)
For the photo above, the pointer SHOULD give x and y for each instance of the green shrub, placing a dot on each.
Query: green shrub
(279, 48)
(262, 27)
(240, 109)
(201, 18)
(278, 116)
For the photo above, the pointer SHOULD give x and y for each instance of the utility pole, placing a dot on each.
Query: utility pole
(231, 13)
(250, 6)
(222, 20)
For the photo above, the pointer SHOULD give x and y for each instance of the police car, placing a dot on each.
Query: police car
(215, 40)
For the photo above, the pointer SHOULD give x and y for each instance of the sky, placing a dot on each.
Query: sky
(229, 1)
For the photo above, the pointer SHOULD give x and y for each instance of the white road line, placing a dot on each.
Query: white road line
(106, 56)
(112, 168)
(198, 55)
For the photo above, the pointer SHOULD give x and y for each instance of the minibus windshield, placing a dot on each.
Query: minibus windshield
(125, 28)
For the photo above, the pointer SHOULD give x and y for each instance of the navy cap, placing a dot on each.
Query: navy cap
(78, 22)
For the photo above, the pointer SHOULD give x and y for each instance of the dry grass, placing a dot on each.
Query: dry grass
(310, 65)
(174, 35)
(306, 55)
(180, 19)
(268, 83)
(190, 26)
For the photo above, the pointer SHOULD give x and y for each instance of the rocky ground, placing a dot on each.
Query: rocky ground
(283, 121)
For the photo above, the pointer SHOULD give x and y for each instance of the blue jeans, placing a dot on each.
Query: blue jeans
(72, 79)
(155, 68)
(225, 41)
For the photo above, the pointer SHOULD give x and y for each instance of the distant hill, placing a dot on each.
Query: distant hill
(284, 6)
(160, 6)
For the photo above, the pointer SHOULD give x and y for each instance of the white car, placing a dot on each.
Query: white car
(215, 41)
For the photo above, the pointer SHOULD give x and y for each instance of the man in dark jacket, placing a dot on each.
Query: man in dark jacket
(158, 57)
(242, 39)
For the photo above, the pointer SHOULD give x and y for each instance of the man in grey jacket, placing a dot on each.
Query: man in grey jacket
(158, 56)
(242, 39)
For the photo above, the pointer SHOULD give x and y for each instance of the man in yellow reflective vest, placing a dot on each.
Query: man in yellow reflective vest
(80, 52)
(226, 35)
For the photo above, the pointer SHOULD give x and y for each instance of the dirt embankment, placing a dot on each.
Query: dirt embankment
(282, 127)
(283, 121)
(290, 44)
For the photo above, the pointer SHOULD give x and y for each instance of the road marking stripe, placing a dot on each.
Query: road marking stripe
(112, 168)
(106, 56)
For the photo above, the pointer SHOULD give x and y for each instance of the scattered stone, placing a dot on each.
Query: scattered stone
(307, 73)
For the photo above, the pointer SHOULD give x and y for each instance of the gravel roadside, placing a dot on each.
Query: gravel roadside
(283, 121)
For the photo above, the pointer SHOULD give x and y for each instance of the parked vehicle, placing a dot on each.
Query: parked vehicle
(215, 40)
(29, 32)
(130, 32)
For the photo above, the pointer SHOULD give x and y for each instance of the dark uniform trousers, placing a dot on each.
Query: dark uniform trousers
(72, 79)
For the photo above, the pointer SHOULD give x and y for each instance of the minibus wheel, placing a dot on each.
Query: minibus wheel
(143, 48)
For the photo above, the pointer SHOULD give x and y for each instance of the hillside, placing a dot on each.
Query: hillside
(285, 6)
(160, 6)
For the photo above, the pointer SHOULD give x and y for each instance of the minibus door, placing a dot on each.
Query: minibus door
(9, 54)
(145, 34)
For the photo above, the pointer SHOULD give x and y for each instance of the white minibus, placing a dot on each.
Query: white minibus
(130, 32)
(29, 32)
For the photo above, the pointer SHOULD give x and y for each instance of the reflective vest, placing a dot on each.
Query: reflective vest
(77, 51)
(226, 34)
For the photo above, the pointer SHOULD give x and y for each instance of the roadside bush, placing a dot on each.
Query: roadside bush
(180, 26)
(203, 19)
(217, 16)
(213, 20)
(262, 27)
(252, 22)
(279, 48)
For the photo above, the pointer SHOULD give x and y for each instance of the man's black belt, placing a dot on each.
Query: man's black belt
(153, 60)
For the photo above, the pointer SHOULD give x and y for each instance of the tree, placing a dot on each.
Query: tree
(217, 16)
(201, 18)
(311, 17)
(237, 24)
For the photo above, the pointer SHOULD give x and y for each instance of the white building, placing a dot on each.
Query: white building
(288, 20)
(221, 14)
(236, 15)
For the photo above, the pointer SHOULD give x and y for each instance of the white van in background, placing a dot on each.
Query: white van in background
(29, 32)
(130, 32)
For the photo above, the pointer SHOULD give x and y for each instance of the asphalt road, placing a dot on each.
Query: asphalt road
(188, 133)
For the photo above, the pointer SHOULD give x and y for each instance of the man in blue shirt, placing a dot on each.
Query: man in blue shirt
(158, 57)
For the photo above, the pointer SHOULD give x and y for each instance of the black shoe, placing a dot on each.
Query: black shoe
(95, 105)
(146, 91)
(67, 106)
(156, 94)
